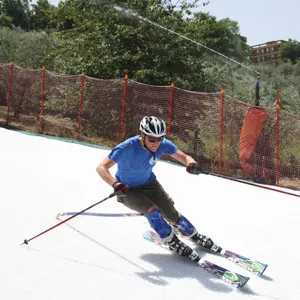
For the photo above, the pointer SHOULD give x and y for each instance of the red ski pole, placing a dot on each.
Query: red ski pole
(62, 222)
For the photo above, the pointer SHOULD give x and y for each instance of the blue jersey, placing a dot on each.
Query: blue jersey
(135, 163)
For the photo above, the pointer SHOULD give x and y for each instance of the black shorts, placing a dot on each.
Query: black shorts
(143, 198)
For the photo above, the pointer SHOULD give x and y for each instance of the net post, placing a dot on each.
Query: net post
(9, 90)
(42, 101)
(122, 131)
(221, 128)
(277, 138)
(80, 104)
(170, 109)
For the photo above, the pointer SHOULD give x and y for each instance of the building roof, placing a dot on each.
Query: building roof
(267, 43)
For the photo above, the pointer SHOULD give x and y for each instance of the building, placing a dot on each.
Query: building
(267, 52)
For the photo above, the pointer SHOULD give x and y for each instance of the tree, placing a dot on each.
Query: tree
(105, 41)
(221, 36)
(5, 20)
(28, 49)
(290, 51)
(106, 37)
(18, 10)
(42, 14)
(237, 46)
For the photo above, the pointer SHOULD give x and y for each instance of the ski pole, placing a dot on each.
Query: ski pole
(95, 214)
(28, 240)
(254, 184)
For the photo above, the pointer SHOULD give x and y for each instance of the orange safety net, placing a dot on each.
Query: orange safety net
(223, 136)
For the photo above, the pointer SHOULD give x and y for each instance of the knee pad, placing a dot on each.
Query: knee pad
(158, 223)
(185, 226)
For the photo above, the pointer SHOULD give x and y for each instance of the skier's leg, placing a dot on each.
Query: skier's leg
(151, 198)
(159, 224)
(163, 210)
(164, 230)
(154, 203)
(158, 196)
(160, 199)
(135, 200)
(138, 201)
(189, 230)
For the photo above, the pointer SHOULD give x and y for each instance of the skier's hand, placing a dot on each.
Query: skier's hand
(120, 188)
(194, 168)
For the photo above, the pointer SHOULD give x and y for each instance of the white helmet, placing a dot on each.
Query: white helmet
(153, 126)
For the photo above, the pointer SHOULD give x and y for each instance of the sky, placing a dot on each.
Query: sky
(100, 258)
(260, 21)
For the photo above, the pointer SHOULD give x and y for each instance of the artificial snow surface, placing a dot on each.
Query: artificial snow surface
(95, 258)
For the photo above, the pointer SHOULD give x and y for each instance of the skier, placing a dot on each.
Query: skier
(137, 188)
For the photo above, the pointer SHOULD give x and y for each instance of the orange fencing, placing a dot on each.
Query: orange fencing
(222, 133)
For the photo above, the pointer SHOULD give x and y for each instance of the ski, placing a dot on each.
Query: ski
(253, 266)
(231, 278)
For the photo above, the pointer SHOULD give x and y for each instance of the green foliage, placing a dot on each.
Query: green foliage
(286, 78)
(18, 10)
(104, 39)
(5, 21)
(42, 15)
(290, 51)
(154, 40)
(28, 49)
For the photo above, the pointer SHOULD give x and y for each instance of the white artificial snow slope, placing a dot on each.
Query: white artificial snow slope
(107, 258)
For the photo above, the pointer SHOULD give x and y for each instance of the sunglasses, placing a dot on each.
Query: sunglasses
(152, 139)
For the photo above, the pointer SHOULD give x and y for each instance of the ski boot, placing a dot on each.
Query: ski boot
(188, 230)
(205, 242)
(176, 245)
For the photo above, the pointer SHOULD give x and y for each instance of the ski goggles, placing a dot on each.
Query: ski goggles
(153, 139)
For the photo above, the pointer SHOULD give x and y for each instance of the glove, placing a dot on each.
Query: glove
(120, 188)
(194, 168)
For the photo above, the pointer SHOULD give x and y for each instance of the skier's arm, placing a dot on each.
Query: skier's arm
(183, 158)
(191, 165)
(103, 170)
